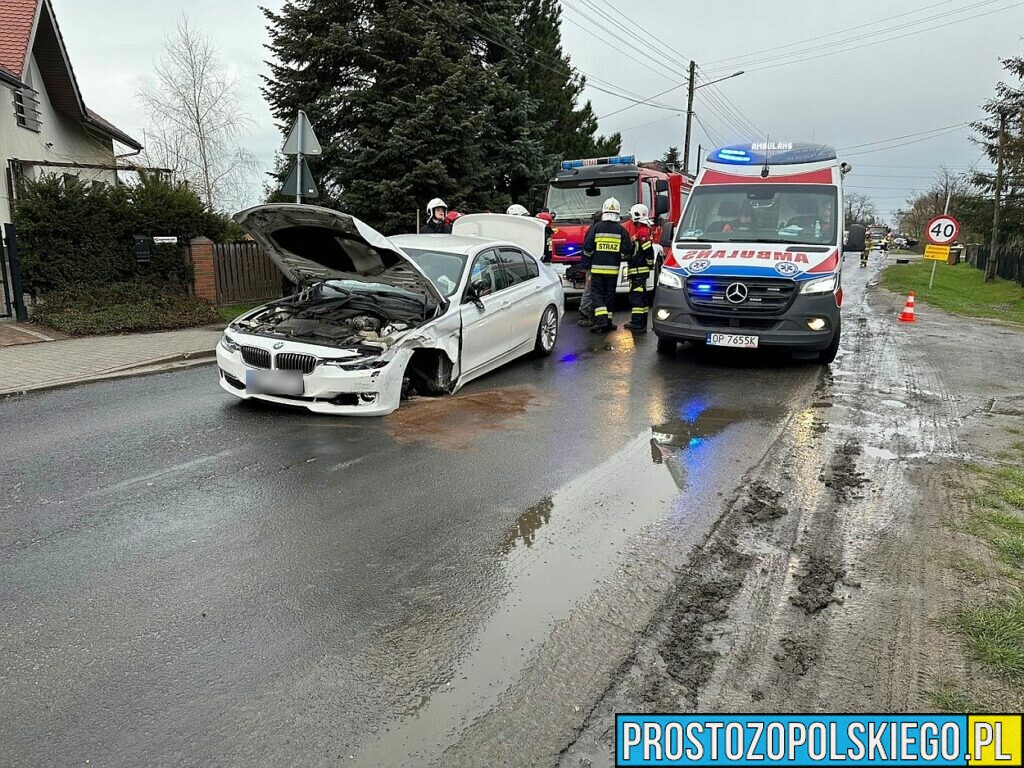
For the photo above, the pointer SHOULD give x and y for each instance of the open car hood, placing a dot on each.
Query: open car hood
(310, 244)
(524, 231)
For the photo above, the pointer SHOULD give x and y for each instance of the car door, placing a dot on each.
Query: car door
(487, 326)
(526, 300)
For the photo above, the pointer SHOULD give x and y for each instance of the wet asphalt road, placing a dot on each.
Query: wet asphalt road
(188, 580)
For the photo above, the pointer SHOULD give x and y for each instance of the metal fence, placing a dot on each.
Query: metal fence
(243, 273)
(1010, 265)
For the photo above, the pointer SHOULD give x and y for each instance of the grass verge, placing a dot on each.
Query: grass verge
(961, 289)
(129, 307)
(993, 631)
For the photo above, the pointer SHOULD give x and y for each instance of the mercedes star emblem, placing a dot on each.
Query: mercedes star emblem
(736, 293)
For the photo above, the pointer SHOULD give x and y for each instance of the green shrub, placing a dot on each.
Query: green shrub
(124, 307)
(72, 233)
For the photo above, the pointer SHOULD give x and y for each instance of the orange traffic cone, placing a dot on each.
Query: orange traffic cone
(908, 310)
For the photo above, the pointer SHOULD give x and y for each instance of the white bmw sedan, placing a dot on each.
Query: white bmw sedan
(376, 319)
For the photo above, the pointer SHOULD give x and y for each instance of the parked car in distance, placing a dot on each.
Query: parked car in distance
(376, 319)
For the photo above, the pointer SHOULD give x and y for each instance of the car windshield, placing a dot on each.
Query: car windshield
(572, 204)
(761, 213)
(443, 268)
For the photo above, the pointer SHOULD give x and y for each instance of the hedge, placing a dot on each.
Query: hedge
(73, 233)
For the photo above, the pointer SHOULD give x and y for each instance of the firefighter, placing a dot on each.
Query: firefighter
(640, 266)
(436, 224)
(549, 234)
(605, 246)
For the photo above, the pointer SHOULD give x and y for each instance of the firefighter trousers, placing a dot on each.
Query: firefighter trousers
(602, 289)
(638, 302)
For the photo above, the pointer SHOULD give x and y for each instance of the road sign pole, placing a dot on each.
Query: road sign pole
(931, 282)
(298, 159)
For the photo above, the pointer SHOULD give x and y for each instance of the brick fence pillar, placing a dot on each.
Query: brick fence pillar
(204, 282)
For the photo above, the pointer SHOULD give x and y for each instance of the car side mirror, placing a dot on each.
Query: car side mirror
(667, 232)
(661, 185)
(661, 205)
(472, 297)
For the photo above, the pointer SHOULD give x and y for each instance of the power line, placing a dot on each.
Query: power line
(711, 137)
(647, 101)
(681, 59)
(730, 60)
(879, 41)
(901, 144)
(905, 136)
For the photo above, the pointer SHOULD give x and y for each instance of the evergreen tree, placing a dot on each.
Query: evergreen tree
(570, 130)
(672, 157)
(1009, 100)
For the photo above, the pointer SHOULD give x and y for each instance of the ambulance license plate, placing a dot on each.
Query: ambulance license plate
(274, 383)
(732, 340)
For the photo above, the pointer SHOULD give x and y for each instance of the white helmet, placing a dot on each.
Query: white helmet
(640, 213)
(611, 205)
(517, 210)
(437, 202)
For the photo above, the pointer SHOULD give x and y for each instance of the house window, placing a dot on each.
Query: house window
(26, 109)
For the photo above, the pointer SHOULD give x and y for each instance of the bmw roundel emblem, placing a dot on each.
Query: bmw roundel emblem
(698, 266)
(278, 344)
(786, 268)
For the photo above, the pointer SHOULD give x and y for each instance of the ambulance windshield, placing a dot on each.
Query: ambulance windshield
(577, 204)
(761, 213)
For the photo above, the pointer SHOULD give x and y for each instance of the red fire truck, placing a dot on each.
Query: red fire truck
(579, 188)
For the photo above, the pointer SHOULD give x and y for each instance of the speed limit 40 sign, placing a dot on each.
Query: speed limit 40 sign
(942, 230)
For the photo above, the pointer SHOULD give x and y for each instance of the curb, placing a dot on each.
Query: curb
(140, 368)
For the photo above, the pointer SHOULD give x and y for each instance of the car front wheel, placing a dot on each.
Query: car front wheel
(547, 332)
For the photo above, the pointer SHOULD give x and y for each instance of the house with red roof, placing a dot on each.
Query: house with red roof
(45, 125)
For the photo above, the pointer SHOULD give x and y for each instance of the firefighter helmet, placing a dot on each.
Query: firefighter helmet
(611, 205)
(436, 203)
(517, 210)
(640, 213)
(452, 216)
(546, 216)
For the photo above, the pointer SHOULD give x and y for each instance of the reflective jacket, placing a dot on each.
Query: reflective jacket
(643, 258)
(606, 245)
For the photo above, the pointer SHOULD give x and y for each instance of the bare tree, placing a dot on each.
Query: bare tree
(197, 120)
(859, 209)
(921, 208)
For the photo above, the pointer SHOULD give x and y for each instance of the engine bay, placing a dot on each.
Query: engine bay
(333, 316)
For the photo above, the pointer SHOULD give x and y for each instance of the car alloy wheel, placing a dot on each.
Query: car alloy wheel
(547, 332)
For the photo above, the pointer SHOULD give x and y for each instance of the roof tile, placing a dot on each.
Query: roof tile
(16, 18)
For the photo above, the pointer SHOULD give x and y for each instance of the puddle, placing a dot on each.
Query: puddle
(524, 532)
(555, 554)
(698, 423)
(457, 421)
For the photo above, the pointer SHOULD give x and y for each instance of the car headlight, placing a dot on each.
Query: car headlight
(346, 364)
(822, 285)
(670, 279)
(229, 345)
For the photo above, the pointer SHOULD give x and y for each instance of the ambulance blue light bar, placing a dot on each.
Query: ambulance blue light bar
(772, 153)
(618, 160)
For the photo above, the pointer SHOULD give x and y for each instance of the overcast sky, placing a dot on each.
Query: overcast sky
(875, 90)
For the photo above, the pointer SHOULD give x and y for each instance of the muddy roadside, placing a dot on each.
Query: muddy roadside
(857, 568)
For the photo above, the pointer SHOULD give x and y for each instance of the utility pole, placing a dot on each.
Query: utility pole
(689, 116)
(993, 258)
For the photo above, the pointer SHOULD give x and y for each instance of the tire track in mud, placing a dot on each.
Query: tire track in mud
(814, 605)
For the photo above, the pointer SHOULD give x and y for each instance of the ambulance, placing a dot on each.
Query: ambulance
(756, 260)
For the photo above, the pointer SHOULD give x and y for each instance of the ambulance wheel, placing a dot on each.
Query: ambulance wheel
(667, 346)
(829, 354)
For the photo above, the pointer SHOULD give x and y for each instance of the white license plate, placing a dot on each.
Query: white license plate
(732, 340)
(274, 383)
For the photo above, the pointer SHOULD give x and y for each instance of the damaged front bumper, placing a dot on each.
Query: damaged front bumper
(328, 388)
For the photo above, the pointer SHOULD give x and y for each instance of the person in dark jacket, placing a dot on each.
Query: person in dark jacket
(436, 223)
(549, 234)
(605, 246)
